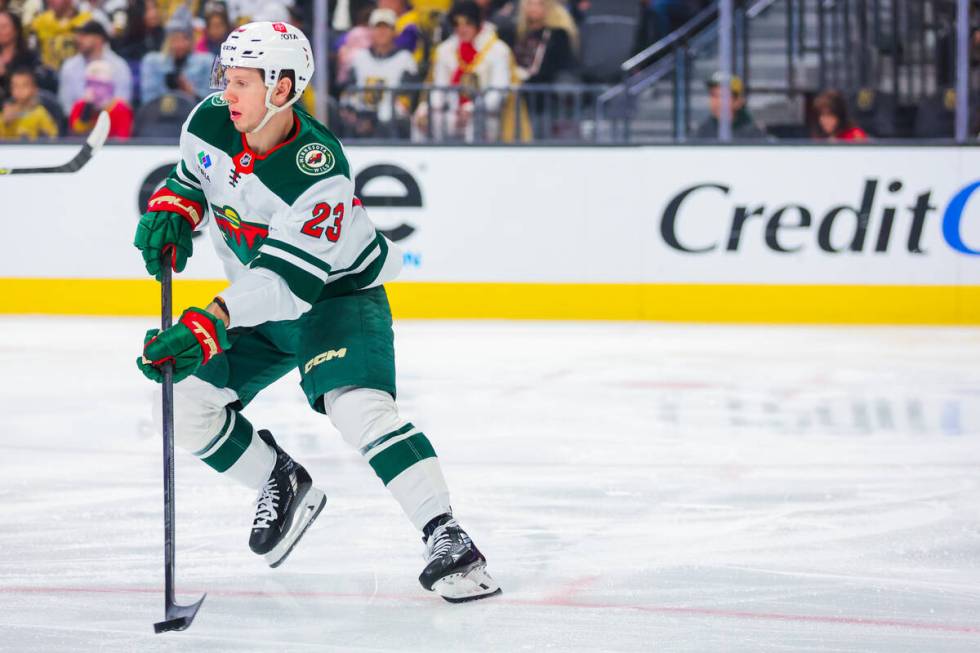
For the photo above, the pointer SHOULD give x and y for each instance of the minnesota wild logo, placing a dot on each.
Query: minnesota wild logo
(315, 159)
(218, 101)
(243, 238)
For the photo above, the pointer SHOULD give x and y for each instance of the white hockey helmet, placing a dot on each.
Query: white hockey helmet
(271, 48)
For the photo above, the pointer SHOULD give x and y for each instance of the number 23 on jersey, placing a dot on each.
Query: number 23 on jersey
(321, 213)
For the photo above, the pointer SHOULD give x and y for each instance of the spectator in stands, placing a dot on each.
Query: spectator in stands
(408, 33)
(144, 31)
(743, 125)
(177, 69)
(14, 53)
(54, 30)
(92, 43)
(547, 39)
(100, 95)
(477, 64)
(217, 27)
(23, 115)
(833, 120)
(501, 14)
(370, 112)
(356, 39)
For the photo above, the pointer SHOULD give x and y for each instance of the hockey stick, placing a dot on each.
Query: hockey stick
(92, 144)
(177, 617)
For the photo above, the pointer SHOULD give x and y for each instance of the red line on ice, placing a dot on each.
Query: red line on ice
(559, 600)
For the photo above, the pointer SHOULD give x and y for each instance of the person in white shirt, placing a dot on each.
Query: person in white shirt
(92, 43)
(380, 66)
(478, 63)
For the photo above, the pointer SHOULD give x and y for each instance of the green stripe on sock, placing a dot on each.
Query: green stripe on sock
(384, 438)
(400, 456)
(232, 448)
(214, 440)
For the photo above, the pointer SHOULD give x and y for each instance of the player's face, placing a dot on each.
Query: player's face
(245, 94)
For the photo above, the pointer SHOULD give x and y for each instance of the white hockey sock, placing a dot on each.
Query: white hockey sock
(406, 463)
(400, 454)
(238, 452)
(421, 491)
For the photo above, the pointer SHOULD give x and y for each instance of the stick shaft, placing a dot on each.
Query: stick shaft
(166, 320)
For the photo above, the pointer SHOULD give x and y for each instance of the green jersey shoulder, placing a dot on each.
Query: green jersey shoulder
(309, 156)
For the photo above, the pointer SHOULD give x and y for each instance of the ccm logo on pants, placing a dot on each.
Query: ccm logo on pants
(324, 357)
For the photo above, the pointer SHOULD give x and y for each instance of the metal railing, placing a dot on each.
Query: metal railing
(905, 47)
(423, 113)
(671, 57)
(901, 50)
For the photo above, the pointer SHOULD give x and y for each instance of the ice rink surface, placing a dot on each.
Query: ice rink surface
(636, 487)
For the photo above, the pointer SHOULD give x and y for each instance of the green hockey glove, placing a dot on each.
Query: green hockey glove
(196, 338)
(166, 228)
(160, 231)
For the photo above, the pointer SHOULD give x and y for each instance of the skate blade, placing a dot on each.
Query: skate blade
(469, 585)
(311, 505)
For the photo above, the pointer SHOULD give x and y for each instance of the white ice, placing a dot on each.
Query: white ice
(636, 487)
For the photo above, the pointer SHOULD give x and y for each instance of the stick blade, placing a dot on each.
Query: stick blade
(180, 623)
(99, 133)
(179, 617)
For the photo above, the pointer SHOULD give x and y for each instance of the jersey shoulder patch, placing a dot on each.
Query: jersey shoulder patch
(313, 156)
(210, 122)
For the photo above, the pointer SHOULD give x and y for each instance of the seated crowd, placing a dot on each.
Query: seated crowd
(63, 61)
(433, 70)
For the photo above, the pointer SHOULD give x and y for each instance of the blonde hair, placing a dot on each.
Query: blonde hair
(555, 17)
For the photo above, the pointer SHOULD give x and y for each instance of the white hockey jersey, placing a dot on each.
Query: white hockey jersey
(286, 224)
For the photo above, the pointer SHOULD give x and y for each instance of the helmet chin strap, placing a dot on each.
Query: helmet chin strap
(271, 109)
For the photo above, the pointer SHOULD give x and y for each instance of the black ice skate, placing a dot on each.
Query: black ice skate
(287, 505)
(456, 569)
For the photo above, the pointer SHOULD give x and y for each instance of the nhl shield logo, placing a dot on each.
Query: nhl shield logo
(315, 159)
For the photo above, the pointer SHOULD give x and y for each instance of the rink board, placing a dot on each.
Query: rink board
(749, 234)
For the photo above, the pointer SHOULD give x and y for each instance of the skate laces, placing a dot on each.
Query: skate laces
(265, 505)
(442, 539)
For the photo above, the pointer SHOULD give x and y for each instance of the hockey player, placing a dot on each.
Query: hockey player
(306, 268)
